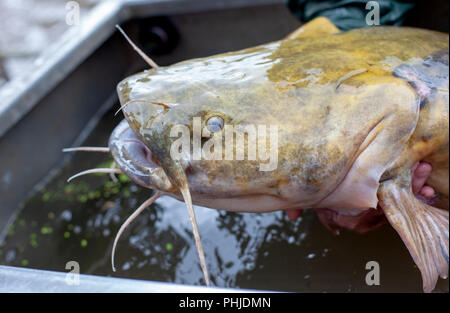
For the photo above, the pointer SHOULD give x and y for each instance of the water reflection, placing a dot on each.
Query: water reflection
(232, 241)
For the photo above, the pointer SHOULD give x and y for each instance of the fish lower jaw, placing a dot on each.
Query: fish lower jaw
(136, 161)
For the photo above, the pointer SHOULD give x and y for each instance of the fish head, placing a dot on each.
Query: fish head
(209, 122)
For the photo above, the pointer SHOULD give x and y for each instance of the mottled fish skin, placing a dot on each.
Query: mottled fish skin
(354, 112)
(326, 93)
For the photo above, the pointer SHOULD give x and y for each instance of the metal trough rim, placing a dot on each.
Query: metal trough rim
(26, 280)
(20, 95)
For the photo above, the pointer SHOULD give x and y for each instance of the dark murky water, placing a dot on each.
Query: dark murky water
(78, 221)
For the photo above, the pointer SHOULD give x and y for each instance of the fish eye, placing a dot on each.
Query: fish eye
(214, 124)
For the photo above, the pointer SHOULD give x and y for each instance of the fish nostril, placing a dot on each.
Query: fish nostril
(154, 160)
(148, 156)
(145, 152)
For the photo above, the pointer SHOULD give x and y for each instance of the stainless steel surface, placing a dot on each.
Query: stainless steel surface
(24, 280)
(22, 94)
(19, 96)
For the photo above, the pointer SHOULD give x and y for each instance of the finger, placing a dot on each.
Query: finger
(420, 176)
(293, 214)
(427, 192)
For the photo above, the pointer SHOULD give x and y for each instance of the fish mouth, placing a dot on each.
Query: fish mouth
(136, 160)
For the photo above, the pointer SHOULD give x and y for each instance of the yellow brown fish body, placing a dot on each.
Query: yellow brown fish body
(353, 112)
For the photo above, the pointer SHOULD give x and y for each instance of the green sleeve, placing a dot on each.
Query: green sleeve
(348, 14)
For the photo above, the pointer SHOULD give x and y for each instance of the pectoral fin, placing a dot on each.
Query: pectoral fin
(423, 229)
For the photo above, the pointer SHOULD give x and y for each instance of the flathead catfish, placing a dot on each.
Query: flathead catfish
(350, 114)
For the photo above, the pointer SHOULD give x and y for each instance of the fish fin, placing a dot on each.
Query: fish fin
(423, 229)
(320, 26)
